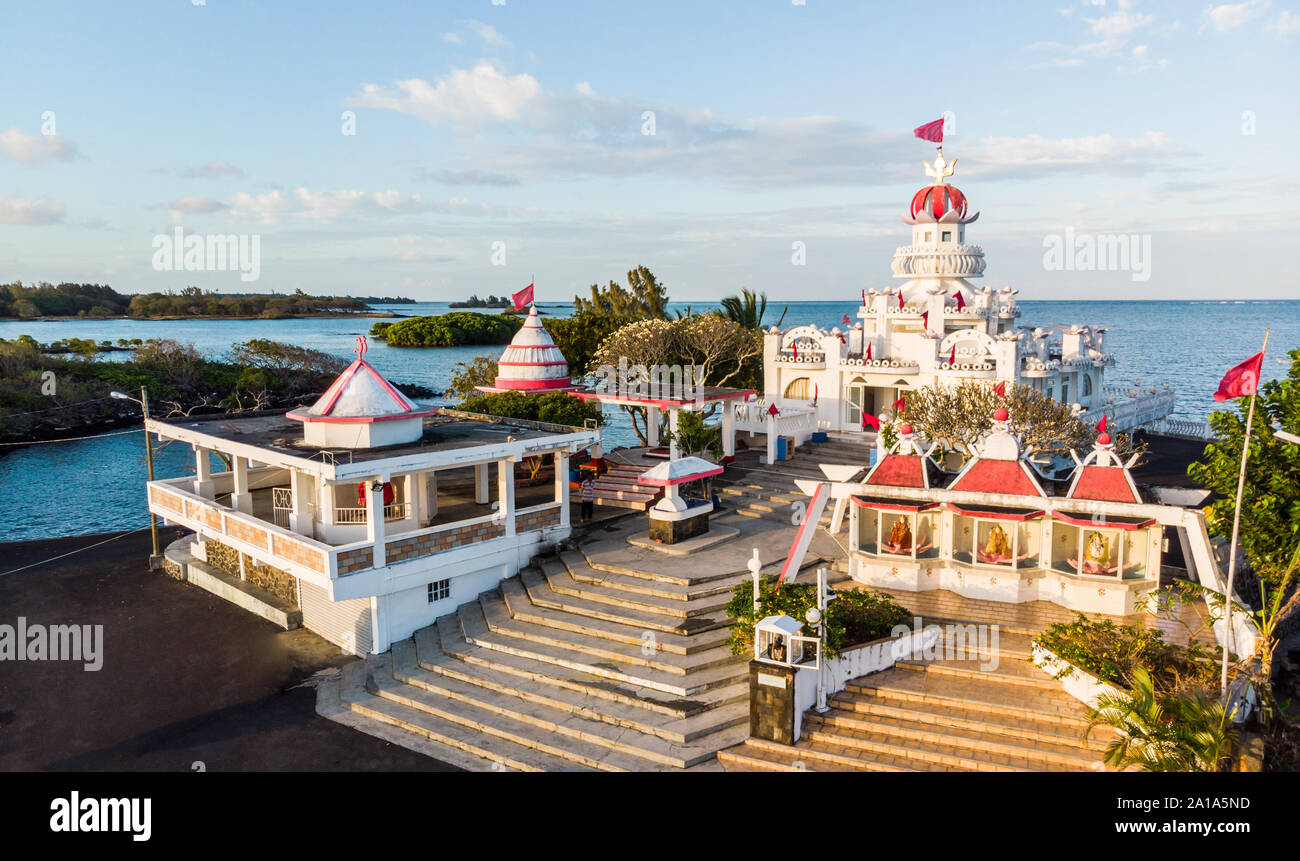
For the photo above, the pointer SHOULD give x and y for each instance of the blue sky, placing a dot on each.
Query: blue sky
(522, 123)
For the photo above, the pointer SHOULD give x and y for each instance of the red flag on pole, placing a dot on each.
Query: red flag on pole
(925, 319)
(864, 297)
(961, 302)
(900, 300)
(900, 404)
(773, 411)
(1101, 425)
(794, 349)
(845, 321)
(814, 394)
(868, 420)
(952, 357)
(1000, 389)
(932, 132)
(523, 298)
(868, 352)
(1242, 380)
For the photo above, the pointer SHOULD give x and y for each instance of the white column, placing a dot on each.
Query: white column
(728, 429)
(376, 533)
(506, 493)
(771, 438)
(325, 503)
(431, 482)
(242, 498)
(300, 488)
(672, 425)
(417, 494)
(203, 472)
(652, 426)
(481, 483)
(562, 485)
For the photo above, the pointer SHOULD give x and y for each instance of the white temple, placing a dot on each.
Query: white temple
(937, 328)
(531, 364)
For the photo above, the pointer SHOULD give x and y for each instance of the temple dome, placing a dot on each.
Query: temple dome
(361, 409)
(532, 363)
(938, 201)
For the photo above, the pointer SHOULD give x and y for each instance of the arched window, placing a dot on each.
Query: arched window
(798, 389)
(1087, 385)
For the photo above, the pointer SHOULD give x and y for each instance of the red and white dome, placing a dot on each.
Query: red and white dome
(361, 409)
(939, 200)
(532, 363)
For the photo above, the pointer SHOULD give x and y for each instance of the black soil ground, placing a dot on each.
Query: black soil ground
(187, 678)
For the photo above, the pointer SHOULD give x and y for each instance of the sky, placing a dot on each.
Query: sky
(439, 149)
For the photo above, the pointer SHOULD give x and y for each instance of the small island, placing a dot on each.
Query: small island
(490, 302)
(100, 301)
(454, 329)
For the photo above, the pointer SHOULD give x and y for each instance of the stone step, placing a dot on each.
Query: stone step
(761, 755)
(563, 583)
(560, 726)
(580, 571)
(516, 597)
(936, 753)
(903, 686)
(482, 748)
(542, 595)
(574, 698)
(599, 562)
(478, 632)
(1008, 672)
(424, 709)
(500, 620)
(941, 716)
(453, 643)
(972, 743)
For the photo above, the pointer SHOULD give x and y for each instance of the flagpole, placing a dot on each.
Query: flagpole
(1236, 524)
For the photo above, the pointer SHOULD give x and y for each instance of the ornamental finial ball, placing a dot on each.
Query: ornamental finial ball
(1000, 414)
(905, 428)
(1103, 438)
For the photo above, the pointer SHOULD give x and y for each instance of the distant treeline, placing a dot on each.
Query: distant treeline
(385, 300)
(490, 302)
(100, 300)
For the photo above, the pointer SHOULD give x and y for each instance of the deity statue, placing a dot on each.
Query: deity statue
(900, 539)
(997, 548)
(1097, 556)
(778, 649)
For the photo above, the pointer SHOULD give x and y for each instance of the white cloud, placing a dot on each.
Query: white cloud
(1230, 16)
(322, 206)
(453, 38)
(1140, 51)
(1034, 155)
(1287, 24)
(489, 34)
(33, 149)
(193, 204)
(14, 210)
(464, 96)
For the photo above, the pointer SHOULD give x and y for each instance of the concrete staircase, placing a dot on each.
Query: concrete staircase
(769, 491)
(566, 667)
(943, 715)
(620, 487)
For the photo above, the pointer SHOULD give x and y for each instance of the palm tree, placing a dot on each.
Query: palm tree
(748, 309)
(1187, 731)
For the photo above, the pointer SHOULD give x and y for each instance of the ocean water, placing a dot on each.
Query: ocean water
(90, 486)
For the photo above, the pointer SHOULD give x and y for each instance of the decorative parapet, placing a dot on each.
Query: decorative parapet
(905, 366)
(537, 518)
(959, 261)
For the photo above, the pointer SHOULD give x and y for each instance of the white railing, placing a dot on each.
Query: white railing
(1184, 428)
(394, 511)
(1132, 407)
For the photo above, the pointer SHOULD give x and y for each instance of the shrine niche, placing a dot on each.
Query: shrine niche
(1104, 547)
(896, 529)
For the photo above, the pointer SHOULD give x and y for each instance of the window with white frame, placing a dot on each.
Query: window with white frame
(439, 590)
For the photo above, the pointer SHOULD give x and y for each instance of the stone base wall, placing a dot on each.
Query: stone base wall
(279, 583)
(673, 531)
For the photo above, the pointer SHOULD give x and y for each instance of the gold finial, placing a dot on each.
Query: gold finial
(940, 169)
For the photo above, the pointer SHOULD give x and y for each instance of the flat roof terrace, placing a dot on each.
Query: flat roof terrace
(449, 437)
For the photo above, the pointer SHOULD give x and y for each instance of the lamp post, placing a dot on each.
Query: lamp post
(155, 560)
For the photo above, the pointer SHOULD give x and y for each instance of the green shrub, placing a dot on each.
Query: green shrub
(454, 329)
(856, 616)
(556, 407)
(1113, 652)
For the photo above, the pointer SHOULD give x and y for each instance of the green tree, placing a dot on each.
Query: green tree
(643, 297)
(1270, 510)
(748, 309)
(468, 376)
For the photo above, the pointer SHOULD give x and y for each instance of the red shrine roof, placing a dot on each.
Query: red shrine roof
(986, 475)
(360, 394)
(900, 470)
(1103, 483)
(939, 200)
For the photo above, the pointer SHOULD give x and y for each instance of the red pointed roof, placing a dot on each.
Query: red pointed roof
(899, 470)
(1105, 484)
(986, 475)
(360, 394)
